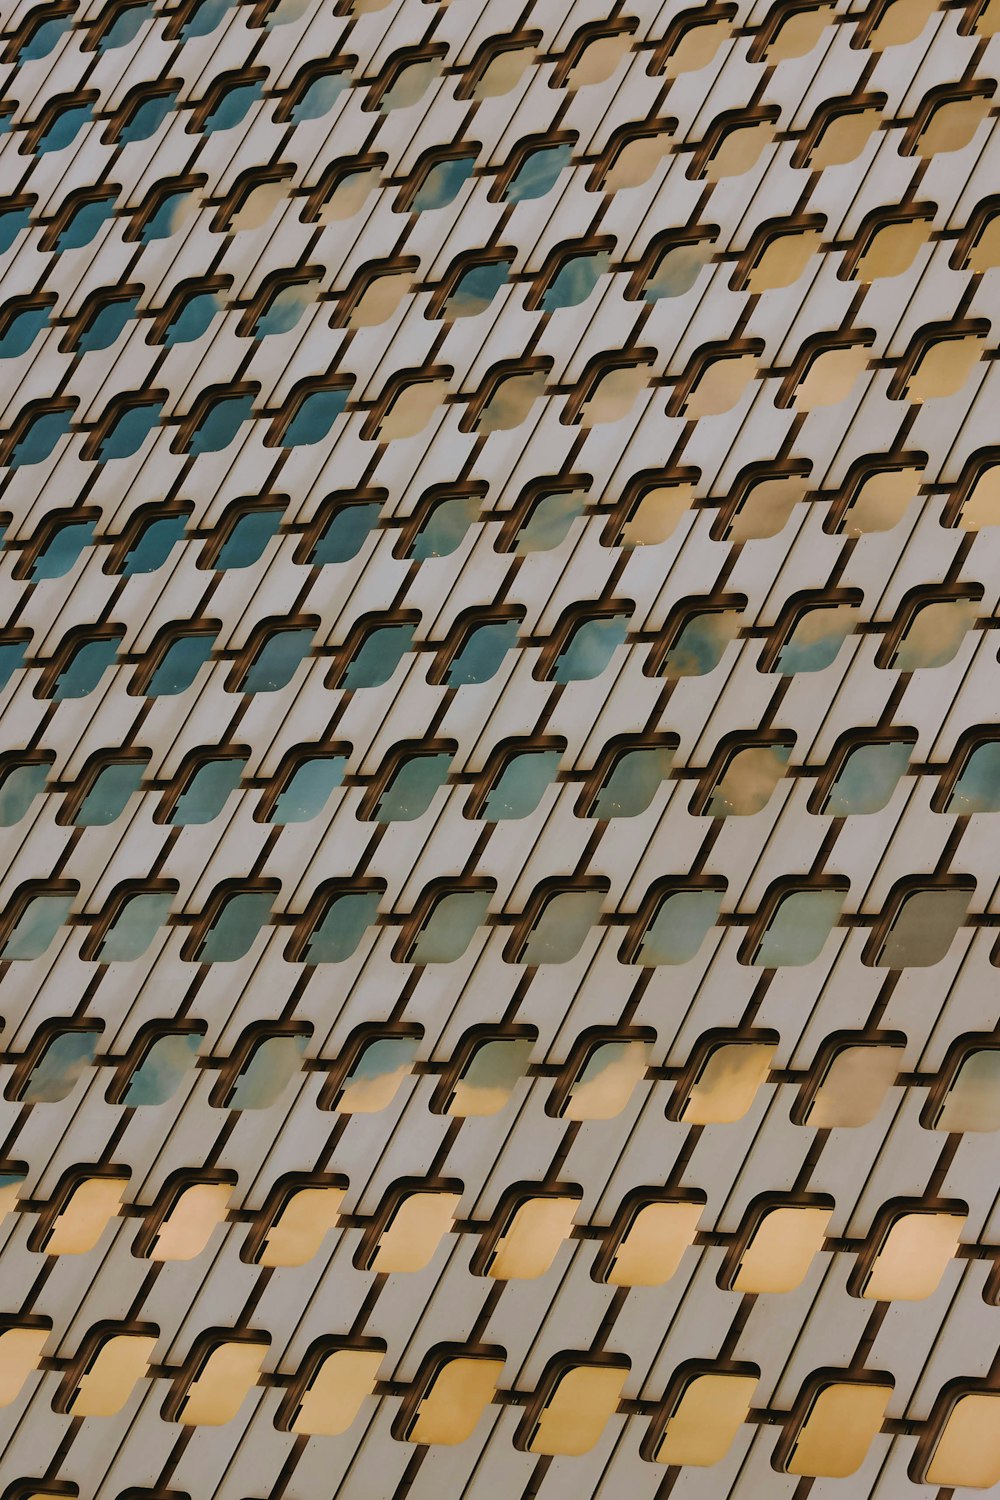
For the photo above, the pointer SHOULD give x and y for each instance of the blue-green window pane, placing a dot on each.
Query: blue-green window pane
(344, 924)
(18, 789)
(443, 183)
(85, 223)
(108, 325)
(148, 118)
(37, 926)
(64, 129)
(816, 639)
(346, 533)
(635, 779)
(450, 927)
(537, 174)
(314, 418)
(378, 1071)
(977, 789)
(180, 665)
(246, 542)
(89, 663)
(11, 657)
(799, 928)
(491, 1075)
(700, 644)
(235, 928)
(22, 331)
(411, 791)
(320, 97)
(125, 28)
(60, 1067)
(157, 541)
(193, 319)
(476, 290)
(868, 778)
(550, 520)
(220, 425)
(381, 652)
(562, 928)
(62, 550)
(44, 38)
(109, 794)
(277, 660)
(676, 271)
(12, 221)
(168, 217)
(521, 785)
(204, 18)
(41, 438)
(269, 1070)
(233, 106)
(483, 652)
(159, 1075)
(590, 648)
(285, 309)
(131, 430)
(924, 928)
(135, 927)
(308, 789)
(208, 791)
(445, 527)
(682, 922)
(575, 280)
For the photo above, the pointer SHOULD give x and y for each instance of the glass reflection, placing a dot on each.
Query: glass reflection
(301, 1227)
(914, 1256)
(376, 1074)
(36, 927)
(196, 1213)
(682, 922)
(135, 927)
(532, 1238)
(699, 645)
(93, 1203)
(162, 1069)
(550, 520)
(413, 787)
(64, 1062)
(414, 1232)
(490, 1076)
(19, 788)
(703, 1425)
(634, 781)
(746, 785)
(816, 638)
(854, 1085)
(799, 928)
(109, 794)
(268, 1071)
(578, 1410)
(728, 1082)
(521, 785)
(590, 647)
(344, 924)
(450, 927)
(973, 1100)
(606, 1081)
(309, 788)
(338, 1389)
(924, 928)
(781, 1249)
(652, 1248)
(562, 927)
(868, 778)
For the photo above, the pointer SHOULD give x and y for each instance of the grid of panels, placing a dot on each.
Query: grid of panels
(496, 935)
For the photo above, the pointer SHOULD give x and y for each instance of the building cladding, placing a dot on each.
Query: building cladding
(500, 762)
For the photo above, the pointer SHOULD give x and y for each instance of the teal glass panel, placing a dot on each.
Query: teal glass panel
(125, 28)
(381, 652)
(233, 106)
(62, 550)
(12, 222)
(37, 926)
(108, 325)
(64, 128)
(85, 223)
(411, 791)
(246, 542)
(563, 927)
(159, 1075)
(590, 648)
(18, 789)
(308, 789)
(44, 38)
(378, 1070)
(22, 331)
(60, 1067)
(977, 789)
(344, 924)
(482, 653)
(450, 927)
(550, 520)
(41, 438)
(204, 18)
(635, 779)
(973, 1101)
(276, 662)
(799, 928)
(208, 791)
(682, 922)
(924, 928)
(135, 927)
(443, 183)
(491, 1075)
(193, 319)
(170, 213)
(314, 418)
(11, 657)
(233, 932)
(476, 290)
(868, 778)
(521, 785)
(131, 430)
(155, 544)
(180, 665)
(346, 533)
(320, 97)
(220, 424)
(700, 644)
(816, 640)
(575, 280)
(148, 118)
(88, 665)
(269, 1070)
(444, 530)
(109, 794)
(537, 174)
(284, 309)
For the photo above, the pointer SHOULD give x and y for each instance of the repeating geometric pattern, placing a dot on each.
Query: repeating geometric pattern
(500, 753)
